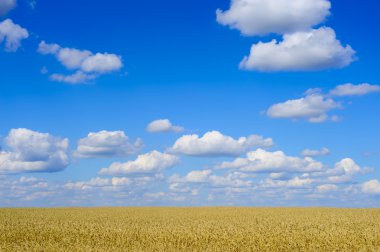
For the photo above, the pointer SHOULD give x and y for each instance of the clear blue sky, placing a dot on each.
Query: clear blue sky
(174, 60)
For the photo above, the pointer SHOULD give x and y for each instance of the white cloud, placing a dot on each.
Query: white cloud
(163, 125)
(88, 65)
(116, 181)
(45, 48)
(6, 6)
(72, 58)
(313, 108)
(354, 90)
(102, 63)
(327, 188)
(32, 151)
(85, 185)
(214, 143)
(261, 17)
(228, 181)
(106, 144)
(343, 171)
(264, 161)
(152, 162)
(315, 153)
(313, 50)
(292, 183)
(76, 78)
(371, 187)
(12, 34)
(197, 176)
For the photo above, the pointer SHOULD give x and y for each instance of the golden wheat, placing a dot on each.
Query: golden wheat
(190, 229)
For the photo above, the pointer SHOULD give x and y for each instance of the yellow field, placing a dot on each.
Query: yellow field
(190, 229)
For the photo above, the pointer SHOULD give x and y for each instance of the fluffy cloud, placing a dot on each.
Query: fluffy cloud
(87, 64)
(31, 151)
(371, 187)
(313, 108)
(261, 17)
(75, 78)
(106, 144)
(214, 143)
(264, 161)
(327, 188)
(6, 6)
(102, 63)
(230, 180)
(292, 183)
(201, 176)
(344, 171)
(301, 51)
(354, 90)
(315, 153)
(12, 34)
(163, 125)
(152, 162)
(85, 185)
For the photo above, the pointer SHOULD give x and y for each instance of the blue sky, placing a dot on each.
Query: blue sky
(176, 103)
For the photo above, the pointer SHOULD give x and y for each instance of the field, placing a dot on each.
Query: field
(190, 229)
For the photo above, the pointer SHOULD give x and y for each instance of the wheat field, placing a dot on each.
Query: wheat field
(190, 229)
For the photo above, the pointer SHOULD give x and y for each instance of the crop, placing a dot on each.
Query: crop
(190, 229)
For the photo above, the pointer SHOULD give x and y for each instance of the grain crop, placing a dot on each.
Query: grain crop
(190, 229)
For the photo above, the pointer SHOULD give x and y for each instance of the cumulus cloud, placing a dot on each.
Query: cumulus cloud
(264, 161)
(102, 63)
(354, 90)
(106, 144)
(315, 153)
(292, 183)
(371, 187)
(214, 143)
(196, 176)
(261, 17)
(343, 171)
(313, 50)
(75, 78)
(327, 188)
(85, 185)
(313, 108)
(163, 125)
(206, 177)
(12, 34)
(87, 64)
(6, 6)
(152, 162)
(31, 151)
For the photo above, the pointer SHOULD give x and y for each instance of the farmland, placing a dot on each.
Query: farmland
(190, 229)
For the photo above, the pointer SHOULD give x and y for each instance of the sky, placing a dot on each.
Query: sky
(189, 103)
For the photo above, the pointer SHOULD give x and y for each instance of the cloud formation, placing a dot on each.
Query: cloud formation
(350, 89)
(371, 187)
(214, 143)
(313, 50)
(163, 125)
(262, 17)
(152, 162)
(31, 151)
(6, 6)
(264, 161)
(107, 144)
(75, 78)
(12, 34)
(315, 153)
(87, 65)
(314, 108)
